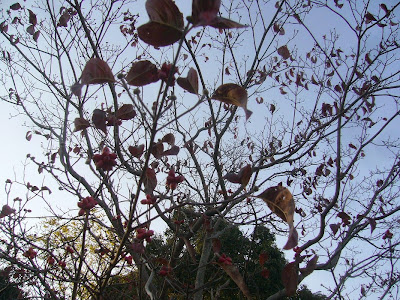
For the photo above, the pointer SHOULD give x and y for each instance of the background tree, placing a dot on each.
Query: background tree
(269, 117)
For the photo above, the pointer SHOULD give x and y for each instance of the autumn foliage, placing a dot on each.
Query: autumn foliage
(166, 124)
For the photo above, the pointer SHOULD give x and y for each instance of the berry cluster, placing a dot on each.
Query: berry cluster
(144, 234)
(223, 259)
(105, 160)
(86, 204)
(30, 253)
(164, 72)
(149, 200)
(173, 180)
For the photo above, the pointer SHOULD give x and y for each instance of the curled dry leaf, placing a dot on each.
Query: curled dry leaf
(234, 273)
(190, 83)
(96, 71)
(234, 94)
(169, 138)
(280, 201)
(142, 73)
(165, 26)
(242, 177)
(81, 124)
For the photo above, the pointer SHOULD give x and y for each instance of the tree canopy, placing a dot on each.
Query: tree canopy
(201, 121)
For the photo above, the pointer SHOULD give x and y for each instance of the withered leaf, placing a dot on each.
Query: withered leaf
(99, 120)
(310, 267)
(290, 278)
(284, 52)
(169, 138)
(223, 23)
(149, 181)
(15, 6)
(242, 177)
(234, 94)
(96, 71)
(81, 124)
(190, 83)
(280, 201)
(136, 151)
(234, 273)
(165, 11)
(158, 34)
(32, 18)
(142, 73)
(165, 26)
(125, 112)
(6, 211)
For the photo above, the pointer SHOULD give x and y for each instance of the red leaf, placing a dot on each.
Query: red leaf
(15, 6)
(204, 11)
(6, 211)
(284, 52)
(223, 23)
(372, 223)
(36, 36)
(231, 93)
(165, 12)
(125, 112)
(367, 59)
(369, 18)
(272, 108)
(242, 177)
(76, 89)
(174, 150)
(142, 73)
(32, 18)
(169, 138)
(384, 7)
(99, 120)
(290, 278)
(149, 181)
(190, 83)
(159, 35)
(263, 257)
(334, 228)
(96, 71)
(136, 151)
(352, 146)
(81, 124)
(165, 26)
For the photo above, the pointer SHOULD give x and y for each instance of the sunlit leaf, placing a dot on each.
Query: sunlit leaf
(96, 71)
(142, 73)
(280, 201)
(190, 83)
(234, 94)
